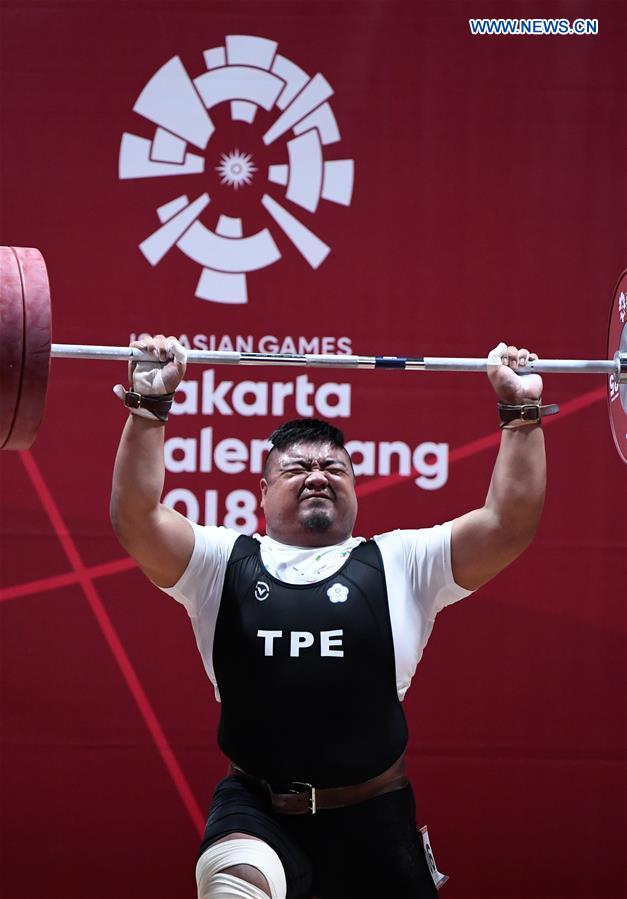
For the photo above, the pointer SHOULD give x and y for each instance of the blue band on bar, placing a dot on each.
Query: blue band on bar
(389, 362)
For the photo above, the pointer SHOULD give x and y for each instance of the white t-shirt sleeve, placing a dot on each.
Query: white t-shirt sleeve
(419, 578)
(200, 586)
(427, 557)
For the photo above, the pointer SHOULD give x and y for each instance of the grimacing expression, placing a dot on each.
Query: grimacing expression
(308, 494)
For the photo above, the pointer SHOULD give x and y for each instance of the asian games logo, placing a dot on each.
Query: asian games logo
(263, 126)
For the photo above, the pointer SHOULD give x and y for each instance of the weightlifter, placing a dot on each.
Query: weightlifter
(311, 637)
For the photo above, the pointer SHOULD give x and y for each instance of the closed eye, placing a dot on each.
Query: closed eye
(333, 467)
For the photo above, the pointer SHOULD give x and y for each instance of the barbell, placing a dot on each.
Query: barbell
(26, 350)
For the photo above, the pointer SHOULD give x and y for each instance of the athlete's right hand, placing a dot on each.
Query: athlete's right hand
(156, 378)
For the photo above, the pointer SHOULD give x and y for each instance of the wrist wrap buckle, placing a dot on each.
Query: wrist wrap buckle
(526, 412)
(159, 406)
(132, 400)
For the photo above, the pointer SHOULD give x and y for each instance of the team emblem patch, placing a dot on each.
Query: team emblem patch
(337, 593)
(262, 590)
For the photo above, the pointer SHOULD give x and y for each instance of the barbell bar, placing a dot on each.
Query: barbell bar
(319, 360)
(26, 350)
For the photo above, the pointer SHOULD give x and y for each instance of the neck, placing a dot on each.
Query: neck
(305, 539)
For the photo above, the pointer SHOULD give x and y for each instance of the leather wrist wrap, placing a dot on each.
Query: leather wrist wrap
(159, 406)
(527, 412)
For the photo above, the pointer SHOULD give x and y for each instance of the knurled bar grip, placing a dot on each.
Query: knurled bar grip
(313, 360)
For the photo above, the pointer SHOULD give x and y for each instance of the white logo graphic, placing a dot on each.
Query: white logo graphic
(236, 168)
(622, 306)
(295, 122)
(338, 593)
(262, 590)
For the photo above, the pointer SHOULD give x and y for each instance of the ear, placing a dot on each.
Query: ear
(263, 486)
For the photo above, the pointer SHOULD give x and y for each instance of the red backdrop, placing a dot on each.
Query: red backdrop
(488, 203)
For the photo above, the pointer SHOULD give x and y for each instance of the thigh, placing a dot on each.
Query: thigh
(235, 808)
(371, 850)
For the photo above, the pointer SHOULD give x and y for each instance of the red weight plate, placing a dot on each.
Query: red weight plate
(11, 339)
(36, 353)
(617, 341)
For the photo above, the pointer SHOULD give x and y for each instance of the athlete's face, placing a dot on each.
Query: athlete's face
(308, 495)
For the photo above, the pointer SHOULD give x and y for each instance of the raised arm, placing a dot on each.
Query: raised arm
(486, 540)
(158, 538)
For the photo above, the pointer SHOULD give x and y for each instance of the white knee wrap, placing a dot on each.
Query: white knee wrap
(224, 886)
(213, 884)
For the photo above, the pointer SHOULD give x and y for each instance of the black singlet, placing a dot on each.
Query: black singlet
(306, 673)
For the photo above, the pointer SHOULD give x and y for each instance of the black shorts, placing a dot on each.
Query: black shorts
(365, 851)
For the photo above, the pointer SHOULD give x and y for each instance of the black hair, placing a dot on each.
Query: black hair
(301, 430)
(311, 429)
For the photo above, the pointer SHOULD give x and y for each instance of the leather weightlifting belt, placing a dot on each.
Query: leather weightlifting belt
(298, 798)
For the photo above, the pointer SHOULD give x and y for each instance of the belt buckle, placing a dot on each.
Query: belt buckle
(312, 794)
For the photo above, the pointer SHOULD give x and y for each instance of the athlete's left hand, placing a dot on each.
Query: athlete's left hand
(503, 363)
